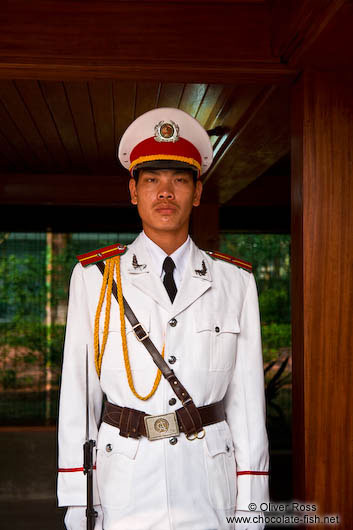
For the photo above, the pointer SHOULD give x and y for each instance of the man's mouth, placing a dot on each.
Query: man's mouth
(165, 208)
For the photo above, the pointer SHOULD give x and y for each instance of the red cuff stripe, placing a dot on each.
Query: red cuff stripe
(71, 469)
(252, 472)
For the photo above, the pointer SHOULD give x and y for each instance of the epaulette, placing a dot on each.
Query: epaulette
(102, 253)
(230, 259)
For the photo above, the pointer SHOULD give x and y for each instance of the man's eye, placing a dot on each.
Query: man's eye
(151, 179)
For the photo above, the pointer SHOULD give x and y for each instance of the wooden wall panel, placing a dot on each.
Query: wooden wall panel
(208, 105)
(146, 97)
(322, 227)
(9, 154)
(82, 113)
(56, 97)
(105, 30)
(35, 102)
(101, 96)
(50, 126)
(170, 94)
(24, 123)
(296, 25)
(124, 105)
(192, 98)
(12, 141)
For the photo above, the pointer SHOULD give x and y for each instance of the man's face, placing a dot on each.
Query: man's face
(165, 197)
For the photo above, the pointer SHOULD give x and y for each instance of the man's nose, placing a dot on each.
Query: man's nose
(165, 191)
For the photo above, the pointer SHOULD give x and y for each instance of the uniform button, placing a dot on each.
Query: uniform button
(109, 448)
(216, 329)
(173, 440)
(172, 401)
(172, 359)
(173, 322)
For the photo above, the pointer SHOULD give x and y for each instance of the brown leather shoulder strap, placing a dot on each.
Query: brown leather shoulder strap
(192, 418)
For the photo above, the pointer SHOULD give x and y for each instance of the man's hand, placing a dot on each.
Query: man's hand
(75, 518)
(248, 516)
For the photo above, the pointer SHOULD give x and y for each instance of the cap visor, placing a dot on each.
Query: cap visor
(165, 164)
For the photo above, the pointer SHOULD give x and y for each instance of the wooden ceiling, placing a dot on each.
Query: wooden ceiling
(51, 126)
(59, 138)
(73, 75)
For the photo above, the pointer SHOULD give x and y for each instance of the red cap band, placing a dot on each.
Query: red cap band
(182, 150)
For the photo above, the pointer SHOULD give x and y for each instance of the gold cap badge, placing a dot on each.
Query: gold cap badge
(166, 132)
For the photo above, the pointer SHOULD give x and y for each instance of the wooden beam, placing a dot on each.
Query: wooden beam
(170, 41)
(322, 262)
(235, 72)
(34, 218)
(64, 189)
(229, 139)
(258, 140)
(297, 25)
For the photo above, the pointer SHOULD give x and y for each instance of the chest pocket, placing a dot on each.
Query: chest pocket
(113, 356)
(219, 335)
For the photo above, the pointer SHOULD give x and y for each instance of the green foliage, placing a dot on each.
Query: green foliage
(269, 255)
(275, 304)
(275, 337)
(276, 380)
(8, 378)
(22, 289)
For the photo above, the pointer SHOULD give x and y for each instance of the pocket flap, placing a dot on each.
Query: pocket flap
(218, 441)
(218, 322)
(110, 442)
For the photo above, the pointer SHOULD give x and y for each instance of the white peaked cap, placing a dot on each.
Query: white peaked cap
(166, 134)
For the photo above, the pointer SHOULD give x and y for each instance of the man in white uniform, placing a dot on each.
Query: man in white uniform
(186, 449)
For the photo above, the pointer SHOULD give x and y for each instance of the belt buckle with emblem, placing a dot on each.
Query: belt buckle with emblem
(162, 426)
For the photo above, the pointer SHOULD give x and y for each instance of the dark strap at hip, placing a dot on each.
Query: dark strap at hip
(131, 421)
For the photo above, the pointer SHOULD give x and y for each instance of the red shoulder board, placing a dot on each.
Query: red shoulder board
(102, 253)
(230, 259)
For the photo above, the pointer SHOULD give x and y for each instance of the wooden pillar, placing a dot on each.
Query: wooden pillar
(322, 294)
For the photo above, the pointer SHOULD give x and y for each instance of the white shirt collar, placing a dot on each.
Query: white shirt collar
(179, 256)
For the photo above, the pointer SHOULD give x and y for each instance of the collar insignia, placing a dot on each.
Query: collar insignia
(136, 265)
(203, 271)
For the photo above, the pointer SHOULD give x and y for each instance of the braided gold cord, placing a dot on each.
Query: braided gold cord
(124, 342)
(110, 266)
(106, 290)
(96, 320)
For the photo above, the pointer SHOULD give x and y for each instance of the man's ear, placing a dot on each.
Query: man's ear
(197, 193)
(133, 191)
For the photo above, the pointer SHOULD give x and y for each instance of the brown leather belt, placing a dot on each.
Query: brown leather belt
(132, 422)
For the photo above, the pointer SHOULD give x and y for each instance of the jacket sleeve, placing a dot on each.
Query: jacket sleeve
(245, 407)
(72, 408)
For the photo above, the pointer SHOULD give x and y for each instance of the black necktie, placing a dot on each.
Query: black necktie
(168, 280)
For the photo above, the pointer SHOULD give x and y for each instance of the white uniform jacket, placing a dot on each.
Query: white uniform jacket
(215, 350)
